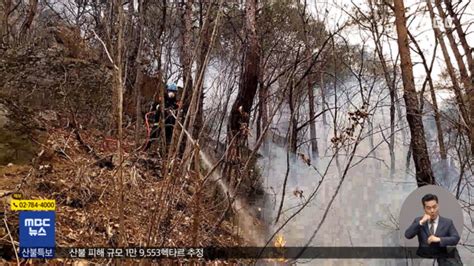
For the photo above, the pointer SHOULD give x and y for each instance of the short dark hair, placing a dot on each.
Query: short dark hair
(428, 197)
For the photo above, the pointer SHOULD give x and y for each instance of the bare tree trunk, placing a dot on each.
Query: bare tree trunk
(310, 83)
(197, 203)
(111, 31)
(338, 163)
(470, 61)
(408, 159)
(424, 174)
(262, 110)
(466, 124)
(391, 145)
(312, 125)
(140, 69)
(437, 115)
(6, 6)
(33, 6)
(161, 74)
(102, 14)
(292, 130)
(455, 49)
(118, 84)
(390, 84)
(186, 53)
(323, 97)
(186, 60)
(222, 118)
(240, 112)
(132, 38)
(206, 33)
(462, 36)
(260, 104)
(241, 108)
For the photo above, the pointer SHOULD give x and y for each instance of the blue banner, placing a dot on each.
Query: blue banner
(37, 233)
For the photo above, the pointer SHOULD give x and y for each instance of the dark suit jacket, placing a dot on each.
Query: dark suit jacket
(445, 231)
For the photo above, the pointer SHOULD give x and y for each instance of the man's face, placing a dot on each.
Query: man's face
(431, 208)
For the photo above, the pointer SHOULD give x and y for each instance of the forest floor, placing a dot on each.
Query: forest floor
(58, 158)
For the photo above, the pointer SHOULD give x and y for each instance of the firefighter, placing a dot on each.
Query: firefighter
(170, 106)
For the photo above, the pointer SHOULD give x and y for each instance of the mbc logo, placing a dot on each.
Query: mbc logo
(37, 222)
(439, 23)
(37, 230)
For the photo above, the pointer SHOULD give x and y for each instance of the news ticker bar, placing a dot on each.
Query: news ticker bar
(211, 253)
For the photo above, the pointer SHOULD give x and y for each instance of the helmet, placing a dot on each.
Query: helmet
(172, 87)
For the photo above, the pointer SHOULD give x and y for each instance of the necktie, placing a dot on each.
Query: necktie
(431, 227)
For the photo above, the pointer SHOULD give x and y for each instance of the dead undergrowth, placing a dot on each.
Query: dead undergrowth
(75, 164)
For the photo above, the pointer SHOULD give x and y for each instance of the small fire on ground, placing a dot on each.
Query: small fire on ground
(279, 243)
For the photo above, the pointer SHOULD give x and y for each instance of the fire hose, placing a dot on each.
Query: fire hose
(148, 129)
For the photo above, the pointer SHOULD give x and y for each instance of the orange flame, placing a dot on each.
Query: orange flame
(280, 241)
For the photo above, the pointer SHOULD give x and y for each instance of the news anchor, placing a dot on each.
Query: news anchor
(435, 233)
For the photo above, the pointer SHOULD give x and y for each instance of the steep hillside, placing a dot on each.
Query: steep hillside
(55, 145)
